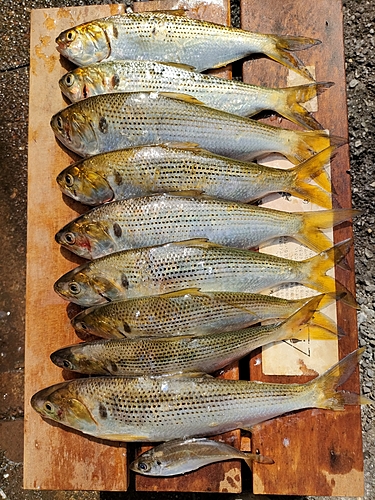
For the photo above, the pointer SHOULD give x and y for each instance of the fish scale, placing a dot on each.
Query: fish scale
(228, 95)
(114, 121)
(198, 264)
(164, 408)
(182, 313)
(163, 218)
(170, 37)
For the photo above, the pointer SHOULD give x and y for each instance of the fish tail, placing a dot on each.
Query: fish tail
(314, 168)
(324, 386)
(300, 323)
(303, 145)
(250, 458)
(311, 234)
(314, 272)
(281, 50)
(290, 99)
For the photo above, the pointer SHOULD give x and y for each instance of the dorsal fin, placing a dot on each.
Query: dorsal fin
(181, 293)
(185, 67)
(182, 97)
(196, 242)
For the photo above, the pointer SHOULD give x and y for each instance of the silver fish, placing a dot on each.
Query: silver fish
(184, 455)
(195, 264)
(115, 121)
(189, 312)
(205, 353)
(164, 408)
(144, 170)
(163, 218)
(228, 95)
(172, 37)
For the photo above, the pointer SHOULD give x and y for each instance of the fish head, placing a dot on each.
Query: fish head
(87, 238)
(61, 404)
(86, 82)
(75, 130)
(87, 288)
(84, 185)
(148, 464)
(77, 358)
(91, 321)
(85, 44)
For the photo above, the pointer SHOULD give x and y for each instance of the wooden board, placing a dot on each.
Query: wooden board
(222, 477)
(316, 452)
(54, 458)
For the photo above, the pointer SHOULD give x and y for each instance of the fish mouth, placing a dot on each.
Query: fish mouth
(39, 398)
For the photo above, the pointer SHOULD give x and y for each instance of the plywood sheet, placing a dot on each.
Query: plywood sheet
(55, 458)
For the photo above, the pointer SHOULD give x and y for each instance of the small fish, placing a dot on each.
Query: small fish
(163, 218)
(184, 455)
(189, 312)
(144, 170)
(206, 353)
(195, 264)
(164, 408)
(107, 122)
(172, 37)
(228, 95)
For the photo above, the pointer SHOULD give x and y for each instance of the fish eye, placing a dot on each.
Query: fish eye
(70, 36)
(82, 325)
(48, 406)
(67, 364)
(59, 123)
(70, 238)
(143, 466)
(69, 180)
(69, 80)
(74, 288)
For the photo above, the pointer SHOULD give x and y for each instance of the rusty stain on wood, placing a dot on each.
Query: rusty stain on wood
(301, 443)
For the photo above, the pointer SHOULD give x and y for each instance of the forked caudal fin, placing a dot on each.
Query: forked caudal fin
(300, 146)
(290, 99)
(310, 233)
(314, 271)
(324, 386)
(300, 324)
(281, 48)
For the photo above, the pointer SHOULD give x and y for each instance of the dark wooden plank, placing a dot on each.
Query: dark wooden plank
(55, 458)
(316, 452)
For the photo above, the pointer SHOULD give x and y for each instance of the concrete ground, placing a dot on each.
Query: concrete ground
(14, 67)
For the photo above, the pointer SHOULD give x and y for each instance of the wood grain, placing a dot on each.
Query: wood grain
(316, 452)
(55, 458)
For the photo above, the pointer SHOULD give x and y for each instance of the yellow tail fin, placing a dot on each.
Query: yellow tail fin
(283, 45)
(300, 146)
(311, 235)
(313, 272)
(314, 169)
(324, 386)
(298, 325)
(290, 99)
